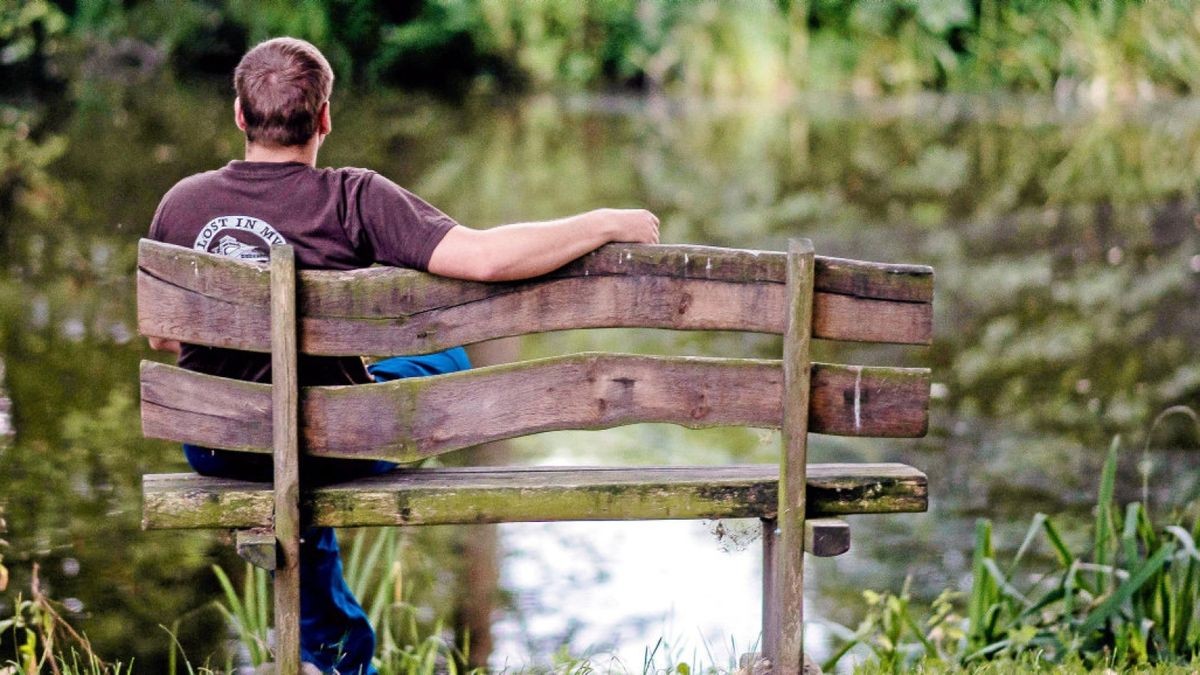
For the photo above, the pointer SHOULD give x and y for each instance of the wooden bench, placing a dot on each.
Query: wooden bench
(203, 299)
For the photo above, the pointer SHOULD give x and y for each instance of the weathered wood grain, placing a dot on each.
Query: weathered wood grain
(408, 419)
(786, 603)
(257, 547)
(285, 425)
(520, 494)
(826, 537)
(770, 627)
(195, 297)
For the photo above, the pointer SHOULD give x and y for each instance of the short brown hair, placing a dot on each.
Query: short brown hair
(282, 84)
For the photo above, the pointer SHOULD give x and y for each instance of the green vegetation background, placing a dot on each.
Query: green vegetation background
(1102, 48)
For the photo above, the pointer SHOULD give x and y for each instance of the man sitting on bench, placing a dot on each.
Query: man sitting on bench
(338, 219)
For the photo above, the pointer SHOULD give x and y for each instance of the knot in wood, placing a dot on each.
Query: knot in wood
(685, 301)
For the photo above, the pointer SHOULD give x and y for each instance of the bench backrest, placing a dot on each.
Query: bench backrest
(200, 298)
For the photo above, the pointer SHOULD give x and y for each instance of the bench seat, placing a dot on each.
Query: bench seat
(524, 494)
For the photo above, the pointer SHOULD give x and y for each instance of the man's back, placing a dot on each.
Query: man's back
(335, 219)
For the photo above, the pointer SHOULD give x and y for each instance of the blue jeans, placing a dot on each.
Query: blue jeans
(334, 630)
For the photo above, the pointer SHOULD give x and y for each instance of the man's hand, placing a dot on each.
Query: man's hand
(525, 250)
(637, 226)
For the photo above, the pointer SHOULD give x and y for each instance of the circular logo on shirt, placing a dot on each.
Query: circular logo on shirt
(239, 237)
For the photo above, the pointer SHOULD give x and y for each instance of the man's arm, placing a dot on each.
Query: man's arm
(525, 250)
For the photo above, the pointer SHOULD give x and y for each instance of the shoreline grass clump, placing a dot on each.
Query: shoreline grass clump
(45, 642)
(1130, 600)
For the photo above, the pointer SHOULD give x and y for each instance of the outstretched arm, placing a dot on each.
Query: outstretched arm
(525, 250)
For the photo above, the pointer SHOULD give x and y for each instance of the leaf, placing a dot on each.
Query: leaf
(1065, 558)
(1129, 533)
(1184, 538)
(983, 592)
(1104, 519)
(1034, 526)
(1003, 584)
(1126, 590)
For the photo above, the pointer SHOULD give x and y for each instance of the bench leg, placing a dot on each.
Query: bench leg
(285, 404)
(787, 642)
(770, 603)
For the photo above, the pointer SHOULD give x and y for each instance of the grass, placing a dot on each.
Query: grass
(1129, 601)
(1021, 665)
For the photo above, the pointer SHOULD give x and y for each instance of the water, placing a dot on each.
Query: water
(1065, 244)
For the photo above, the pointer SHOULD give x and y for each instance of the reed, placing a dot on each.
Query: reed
(1128, 599)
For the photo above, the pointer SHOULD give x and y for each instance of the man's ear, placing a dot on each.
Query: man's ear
(238, 117)
(325, 123)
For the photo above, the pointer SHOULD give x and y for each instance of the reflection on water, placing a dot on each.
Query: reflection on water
(6, 430)
(1065, 245)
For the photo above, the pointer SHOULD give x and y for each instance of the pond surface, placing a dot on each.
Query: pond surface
(1068, 272)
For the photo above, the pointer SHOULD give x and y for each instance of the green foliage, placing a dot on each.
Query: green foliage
(44, 640)
(1131, 603)
(1026, 664)
(1095, 49)
(373, 569)
(30, 30)
(247, 611)
(24, 180)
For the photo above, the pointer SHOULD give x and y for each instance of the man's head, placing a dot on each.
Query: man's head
(283, 88)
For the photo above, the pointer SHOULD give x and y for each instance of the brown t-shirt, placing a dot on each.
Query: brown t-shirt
(335, 218)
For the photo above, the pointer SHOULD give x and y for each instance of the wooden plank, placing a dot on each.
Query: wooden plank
(530, 494)
(557, 304)
(285, 425)
(257, 547)
(195, 297)
(787, 608)
(826, 537)
(408, 419)
(770, 629)
(192, 294)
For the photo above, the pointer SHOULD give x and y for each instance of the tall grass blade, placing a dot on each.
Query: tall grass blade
(983, 592)
(231, 596)
(359, 577)
(1105, 536)
(1129, 535)
(1126, 590)
(1183, 410)
(1030, 535)
(1065, 557)
(1003, 584)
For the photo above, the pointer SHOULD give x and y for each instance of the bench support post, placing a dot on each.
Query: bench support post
(784, 607)
(770, 629)
(286, 446)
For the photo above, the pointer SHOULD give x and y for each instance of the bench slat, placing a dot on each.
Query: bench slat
(409, 419)
(195, 297)
(526, 494)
